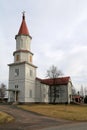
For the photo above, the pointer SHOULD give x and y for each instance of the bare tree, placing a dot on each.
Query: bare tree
(2, 91)
(73, 91)
(81, 91)
(53, 73)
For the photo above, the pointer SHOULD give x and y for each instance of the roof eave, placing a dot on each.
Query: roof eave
(23, 35)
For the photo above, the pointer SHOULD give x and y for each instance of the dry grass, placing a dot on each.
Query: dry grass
(5, 118)
(69, 112)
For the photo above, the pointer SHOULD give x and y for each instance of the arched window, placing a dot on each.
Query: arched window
(16, 72)
(17, 57)
(31, 59)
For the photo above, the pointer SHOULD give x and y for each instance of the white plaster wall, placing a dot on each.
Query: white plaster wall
(21, 75)
(29, 68)
(30, 83)
(41, 92)
(62, 92)
(38, 94)
(70, 92)
(23, 57)
(23, 42)
(17, 80)
(44, 93)
(21, 94)
(29, 86)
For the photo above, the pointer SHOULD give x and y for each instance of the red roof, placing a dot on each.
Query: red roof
(76, 96)
(23, 28)
(57, 81)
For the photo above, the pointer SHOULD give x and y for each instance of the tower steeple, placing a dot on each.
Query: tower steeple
(23, 44)
(23, 30)
(22, 73)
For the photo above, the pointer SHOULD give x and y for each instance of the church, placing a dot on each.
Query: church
(24, 85)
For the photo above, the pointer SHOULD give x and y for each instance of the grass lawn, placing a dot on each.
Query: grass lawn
(4, 118)
(69, 112)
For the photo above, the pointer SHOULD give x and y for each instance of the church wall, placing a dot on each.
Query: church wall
(64, 92)
(13, 75)
(38, 95)
(30, 75)
(23, 57)
(41, 92)
(17, 82)
(61, 94)
(44, 93)
(21, 95)
(63, 98)
(20, 88)
(29, 91)
(23, 42)
(69, 92)
(30, 72)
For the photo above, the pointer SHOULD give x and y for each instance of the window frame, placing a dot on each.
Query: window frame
(16, 72)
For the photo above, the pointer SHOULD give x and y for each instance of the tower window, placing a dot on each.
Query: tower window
(16, 86)
(17, 57)
(31, 59)
(16, 72)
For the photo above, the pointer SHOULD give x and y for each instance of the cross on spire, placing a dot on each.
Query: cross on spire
(23, 15)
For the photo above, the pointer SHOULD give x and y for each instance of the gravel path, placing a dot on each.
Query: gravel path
(28, 120)
(74, 126)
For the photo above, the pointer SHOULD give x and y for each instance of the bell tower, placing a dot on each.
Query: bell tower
(23, 44)
(22, 73)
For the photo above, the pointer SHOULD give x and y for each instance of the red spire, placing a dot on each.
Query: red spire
(23, 28)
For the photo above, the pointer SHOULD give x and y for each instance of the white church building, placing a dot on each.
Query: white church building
(24, 86)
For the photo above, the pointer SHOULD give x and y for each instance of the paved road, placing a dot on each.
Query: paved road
(28, 120)
(74, 126)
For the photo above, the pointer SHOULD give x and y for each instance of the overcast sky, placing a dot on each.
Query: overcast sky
(59, 32)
